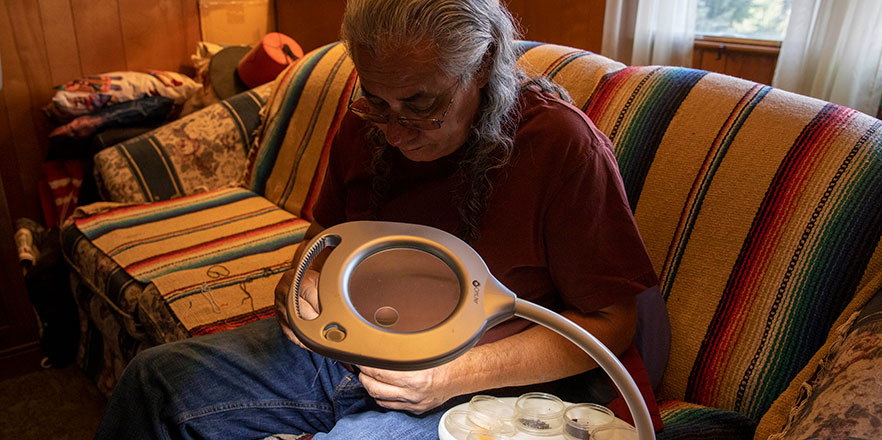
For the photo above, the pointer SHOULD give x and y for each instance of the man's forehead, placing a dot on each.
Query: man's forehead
(401, 75)
(396, 65)
(423, 53)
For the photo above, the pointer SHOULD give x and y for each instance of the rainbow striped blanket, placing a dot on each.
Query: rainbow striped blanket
(213, 256)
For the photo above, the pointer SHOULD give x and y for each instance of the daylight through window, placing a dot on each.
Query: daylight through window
(753, 19)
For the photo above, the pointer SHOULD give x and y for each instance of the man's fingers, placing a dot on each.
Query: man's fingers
(281, 295)
(307, 310)
(380, 390)
(307, 298)
(400, 406)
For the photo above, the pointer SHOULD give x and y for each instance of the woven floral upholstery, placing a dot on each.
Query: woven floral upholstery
(201, 151)
(842, 399)
(106, 346)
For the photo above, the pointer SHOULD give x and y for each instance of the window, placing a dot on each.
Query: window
(749, 19)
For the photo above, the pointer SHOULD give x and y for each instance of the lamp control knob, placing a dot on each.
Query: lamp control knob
(334, 333)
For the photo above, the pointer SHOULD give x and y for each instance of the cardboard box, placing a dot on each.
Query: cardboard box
(235, 22)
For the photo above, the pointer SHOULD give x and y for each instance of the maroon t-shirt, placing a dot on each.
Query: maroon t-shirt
(557, 229)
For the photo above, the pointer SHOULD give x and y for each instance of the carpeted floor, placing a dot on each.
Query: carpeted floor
(57, 404)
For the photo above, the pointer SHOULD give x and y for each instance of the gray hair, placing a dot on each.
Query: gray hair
(465, 37)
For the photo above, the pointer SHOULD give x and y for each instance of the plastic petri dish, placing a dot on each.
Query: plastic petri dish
(483, 436)
(614, 432)
(495, 409)
(460, 423)
(583, 418)
(539, 414)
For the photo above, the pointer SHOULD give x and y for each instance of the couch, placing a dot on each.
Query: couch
(760, 210)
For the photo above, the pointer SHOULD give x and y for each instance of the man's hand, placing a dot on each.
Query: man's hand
(307, 300)
(413, 391)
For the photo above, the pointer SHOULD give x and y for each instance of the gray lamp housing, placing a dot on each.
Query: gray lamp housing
(409, 297)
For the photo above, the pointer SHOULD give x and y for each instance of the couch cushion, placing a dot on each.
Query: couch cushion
(576, 70)
(204, 150)
(210, 261)
(106, 345)
(760, 211)
(841, 398)
(303, 113)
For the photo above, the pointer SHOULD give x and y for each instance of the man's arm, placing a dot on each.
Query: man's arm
(535, 355)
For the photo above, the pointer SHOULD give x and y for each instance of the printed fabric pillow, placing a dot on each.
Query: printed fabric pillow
(841, 400)
(85, 95)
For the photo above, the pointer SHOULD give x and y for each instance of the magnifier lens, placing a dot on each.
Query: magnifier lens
(404, 290)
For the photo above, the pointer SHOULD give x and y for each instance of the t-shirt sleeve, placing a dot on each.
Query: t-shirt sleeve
(595, 253)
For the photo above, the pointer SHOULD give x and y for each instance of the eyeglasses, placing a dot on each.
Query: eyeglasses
(362, 108)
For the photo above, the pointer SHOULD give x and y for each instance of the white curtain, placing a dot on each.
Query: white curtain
(833, 51)
(649, 32)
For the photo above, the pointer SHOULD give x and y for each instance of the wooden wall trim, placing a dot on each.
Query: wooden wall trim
(20, 360)
(737, 46)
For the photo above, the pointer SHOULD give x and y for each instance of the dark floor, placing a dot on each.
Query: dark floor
(58, 404)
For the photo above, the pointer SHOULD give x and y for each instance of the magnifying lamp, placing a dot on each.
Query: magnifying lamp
(408, 297)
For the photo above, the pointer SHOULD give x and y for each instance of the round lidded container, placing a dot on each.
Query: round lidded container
(539, 414)
(481, 436)
(614, 432)
(494, 408)
(584, 418)
(460, 423)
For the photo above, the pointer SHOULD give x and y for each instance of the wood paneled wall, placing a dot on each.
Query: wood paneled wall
(756, 63)
(577, 23)
(44, 43)
(571, 23)
(312, 24)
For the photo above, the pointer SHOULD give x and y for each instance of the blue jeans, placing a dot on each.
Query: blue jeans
(251, 382)
(248, 383)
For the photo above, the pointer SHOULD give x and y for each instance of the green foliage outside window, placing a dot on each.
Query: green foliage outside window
(755, 19)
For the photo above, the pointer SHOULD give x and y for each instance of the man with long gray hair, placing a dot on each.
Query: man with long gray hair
(445, 131)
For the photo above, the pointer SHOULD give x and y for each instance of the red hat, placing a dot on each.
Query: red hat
(267, 59)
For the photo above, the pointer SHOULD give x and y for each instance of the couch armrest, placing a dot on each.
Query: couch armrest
(199, 152)
(841, 399)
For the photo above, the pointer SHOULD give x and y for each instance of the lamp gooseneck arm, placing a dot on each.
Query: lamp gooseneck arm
(605, 358)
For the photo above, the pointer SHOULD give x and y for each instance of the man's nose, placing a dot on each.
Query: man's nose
(398, 135)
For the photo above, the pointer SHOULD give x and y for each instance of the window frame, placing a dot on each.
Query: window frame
(723, 44)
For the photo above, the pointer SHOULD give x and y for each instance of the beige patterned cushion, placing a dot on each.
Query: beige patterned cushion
(843, 398)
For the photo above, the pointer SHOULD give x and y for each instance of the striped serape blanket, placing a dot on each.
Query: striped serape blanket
(215, 257)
